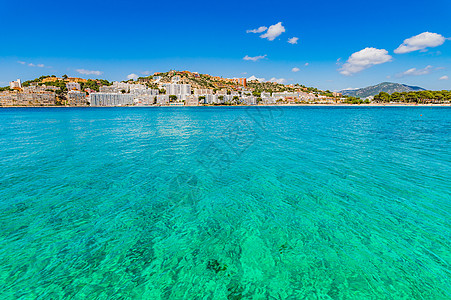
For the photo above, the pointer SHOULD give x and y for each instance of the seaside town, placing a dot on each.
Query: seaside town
(175, 88)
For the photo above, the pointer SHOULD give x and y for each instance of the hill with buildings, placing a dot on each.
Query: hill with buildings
(192, 89)
(206, 81)
(387, 87)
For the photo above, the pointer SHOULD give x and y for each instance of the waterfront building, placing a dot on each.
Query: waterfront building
(268, 100)
(192, 100)
(303, 96)
(211, 99)
(111, 99)
(163, 99)
(175, 79)
(145, 97)
(26, 99)
(76, 98)
(249, 100)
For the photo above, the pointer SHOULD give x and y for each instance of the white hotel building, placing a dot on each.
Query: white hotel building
(177, 89)
(111, 99)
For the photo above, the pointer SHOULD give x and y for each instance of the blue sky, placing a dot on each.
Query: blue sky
(113, 39)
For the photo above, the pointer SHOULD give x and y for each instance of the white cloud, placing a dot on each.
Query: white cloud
(132, 76)
(258, 30)
(420, 42)
(31, 64)
(273, 31)
(306, 64)
(278, 80)
(89, 72)
(364, 59)
(293, 40)
(295, 69)
(444, 78)
(147, 73)
(417, 72)
(256, 78)
(254, 58)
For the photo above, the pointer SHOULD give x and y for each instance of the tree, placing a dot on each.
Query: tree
(64, 76)
(412, 97)
(395, 97)
(385, 97)
(173, 97)
(90, 84)
(382, 97)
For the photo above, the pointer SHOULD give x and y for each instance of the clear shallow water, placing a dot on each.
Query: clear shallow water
(225, 203)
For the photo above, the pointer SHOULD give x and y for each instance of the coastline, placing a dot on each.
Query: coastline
(262, 105)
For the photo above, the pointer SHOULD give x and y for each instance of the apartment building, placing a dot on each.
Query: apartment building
(76, 98)
(177, 89)
(283, 95)
(118, 87)
(26, 99)
(192, 100)
(163, 99)
(111, 99)
(201, 92)
(39, 88)
(73, 86)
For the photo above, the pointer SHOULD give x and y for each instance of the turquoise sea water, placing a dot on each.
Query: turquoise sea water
(225, 203)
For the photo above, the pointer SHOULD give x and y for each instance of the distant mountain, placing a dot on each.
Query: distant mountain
(388, 87)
